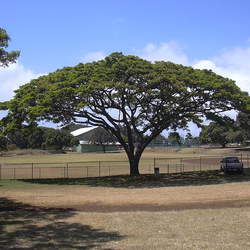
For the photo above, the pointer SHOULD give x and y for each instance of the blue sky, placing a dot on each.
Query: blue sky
(57, 33)
(53, 34)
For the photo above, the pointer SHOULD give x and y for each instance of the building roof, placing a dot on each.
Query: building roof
(81, 131)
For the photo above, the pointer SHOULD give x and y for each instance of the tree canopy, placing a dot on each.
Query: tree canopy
(127, 93)
(174, 138)
(37, 138)
(216, 133)
(5, 56)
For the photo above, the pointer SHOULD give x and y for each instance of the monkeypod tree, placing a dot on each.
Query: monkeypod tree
(6, 57)
(133, 99)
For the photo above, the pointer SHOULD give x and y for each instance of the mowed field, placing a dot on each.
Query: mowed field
(78, 165)
(150, 153)
(178, 211)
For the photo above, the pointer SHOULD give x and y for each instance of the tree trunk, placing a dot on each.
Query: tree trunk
(134, 165)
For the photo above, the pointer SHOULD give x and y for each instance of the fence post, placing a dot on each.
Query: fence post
(64, 172)
(247, 161)
(67, 167)
(200, 163)
(39, 172)
(154, 162)
(99, 165)
(0, 171)
(87, 171)
(32, 169)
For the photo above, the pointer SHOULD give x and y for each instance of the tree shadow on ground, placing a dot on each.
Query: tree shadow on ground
(27, 227)
(151, 181)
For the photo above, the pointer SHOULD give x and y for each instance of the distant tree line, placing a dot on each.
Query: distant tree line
(29, 137)
(216, 132)
(237, 131)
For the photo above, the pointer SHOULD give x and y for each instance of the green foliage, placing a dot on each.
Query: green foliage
(3, 143)
(127, 92)
(40, 138)
(174, 139)
(216, 133)
(159, 140)
(101, 136)
(188, 140)
(18, 137)
(243, 124)
(57, 139)
(6, 57)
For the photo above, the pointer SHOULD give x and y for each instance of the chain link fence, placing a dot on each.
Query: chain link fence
(110, 168)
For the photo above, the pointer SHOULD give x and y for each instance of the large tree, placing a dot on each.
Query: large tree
(127, 93)
(6, 57)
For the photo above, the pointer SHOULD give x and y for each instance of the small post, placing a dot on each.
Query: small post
(67, 166)
(109, 171)
(168, 168)
(154, 162)
(64, 172)
(87, 171)
(200, 163)
(0, 171)
(247, 161)
(99, 166)
(32, 169)
(14, 173)
(156, 171)
(39, 173)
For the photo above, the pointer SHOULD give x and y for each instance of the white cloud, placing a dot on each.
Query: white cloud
(170, 51)
(12, 77)
(234, 64)
(94, 56)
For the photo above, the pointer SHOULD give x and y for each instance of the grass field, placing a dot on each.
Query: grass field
(193, 210)
(19, 165)
(38, 157)
(124, 213)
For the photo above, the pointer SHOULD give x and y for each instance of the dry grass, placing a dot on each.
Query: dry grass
(150, 153)
(89, 164)
(60, 216)
(78, 196)
(191, 229)
(83, 217)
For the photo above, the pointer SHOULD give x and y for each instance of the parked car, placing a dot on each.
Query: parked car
(231, 164)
